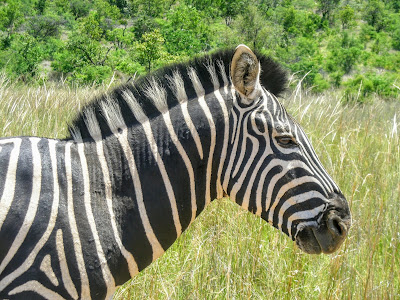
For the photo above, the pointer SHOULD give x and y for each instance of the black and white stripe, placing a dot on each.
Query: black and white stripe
(80, 216)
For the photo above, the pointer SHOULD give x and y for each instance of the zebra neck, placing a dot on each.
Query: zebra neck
(161, 174)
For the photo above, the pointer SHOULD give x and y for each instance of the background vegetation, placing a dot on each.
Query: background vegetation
(351, 44)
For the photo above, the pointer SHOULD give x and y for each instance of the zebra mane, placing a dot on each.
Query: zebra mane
(159, 91)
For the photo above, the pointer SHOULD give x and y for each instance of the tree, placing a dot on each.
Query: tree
(42, 27)
(10, 18)
(150, 8)
(186, 31)
(250, 24)
(326, 7)
(24, 55)
(374, 13)
(151, 49)
(396, 40)
(346, 16)
(121, 4)
(40, 6)
(230, 9)
(79, 8)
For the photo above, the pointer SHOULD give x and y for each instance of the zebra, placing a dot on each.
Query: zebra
(82, 215)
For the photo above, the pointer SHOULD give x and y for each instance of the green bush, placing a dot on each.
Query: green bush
(396, 39)
(23, 56)
(89, 74)
(186, 31)
(363, 87)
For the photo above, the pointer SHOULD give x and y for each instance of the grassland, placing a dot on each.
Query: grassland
(230, 254)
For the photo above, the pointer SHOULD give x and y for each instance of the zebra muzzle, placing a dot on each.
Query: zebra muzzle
(330, 234)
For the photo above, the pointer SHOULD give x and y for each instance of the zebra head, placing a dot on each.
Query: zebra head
(272, 169)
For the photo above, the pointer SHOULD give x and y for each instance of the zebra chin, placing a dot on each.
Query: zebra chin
(331, 232)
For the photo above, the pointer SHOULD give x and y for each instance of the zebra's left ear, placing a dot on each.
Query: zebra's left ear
(245, 72)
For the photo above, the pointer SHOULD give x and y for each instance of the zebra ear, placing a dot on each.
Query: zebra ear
(245, 72)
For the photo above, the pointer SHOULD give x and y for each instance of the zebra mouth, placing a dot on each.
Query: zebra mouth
(327, 237)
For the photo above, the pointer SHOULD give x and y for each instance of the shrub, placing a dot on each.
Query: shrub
(89, 74)
(363, 86)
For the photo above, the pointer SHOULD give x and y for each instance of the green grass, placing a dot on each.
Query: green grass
(230, 254)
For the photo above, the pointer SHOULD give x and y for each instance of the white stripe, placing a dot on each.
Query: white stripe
(273, 163)
(38, 288)
(235, 122)
(260, 187)
(227, 175)
(186, 160)
(47, 269)
(210, 120)
(296, 200)
(108, 278)
(223, 72)
(220, 191)
(31, 211)
(192, 128)
(155, 244)
(178, 88)
(164, 176)
(9, 184)
(85, 290)
(290, 185)
(201, 99)
(65, 276)
(245, 135)
(316, 165)
(265, 152)
(118, 127)
(239, 182)
(132, 266)
(53, 216)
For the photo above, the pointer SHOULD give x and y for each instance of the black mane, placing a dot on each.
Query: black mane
(272, 77)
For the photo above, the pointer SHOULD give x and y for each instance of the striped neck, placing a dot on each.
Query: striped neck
(166, 169)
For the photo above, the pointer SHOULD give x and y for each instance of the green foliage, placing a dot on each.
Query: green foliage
(374, 14)
(10, 18)
(327, 7)
(143, 24)
(79, 39)
(42, 27)
(364, 86)
(151, 49)
(346, 16)
(149, 8)
(344, 54)
(396, 39)
(251, 26)
(90, 74)
(79, 8)
(40, 6)
(24, 56)
(230, 9)
(185, 31)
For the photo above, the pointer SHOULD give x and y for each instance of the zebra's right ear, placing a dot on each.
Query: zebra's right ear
(245, 72)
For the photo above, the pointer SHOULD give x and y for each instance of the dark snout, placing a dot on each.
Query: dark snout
(331, 232)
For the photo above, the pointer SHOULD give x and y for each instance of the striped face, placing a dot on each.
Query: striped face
(273, 170)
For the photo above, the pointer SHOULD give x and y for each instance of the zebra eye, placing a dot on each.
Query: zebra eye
(286, 141)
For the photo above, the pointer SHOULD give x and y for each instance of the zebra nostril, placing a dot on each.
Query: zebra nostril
(336, 226)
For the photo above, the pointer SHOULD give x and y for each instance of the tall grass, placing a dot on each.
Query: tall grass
(228, 253)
